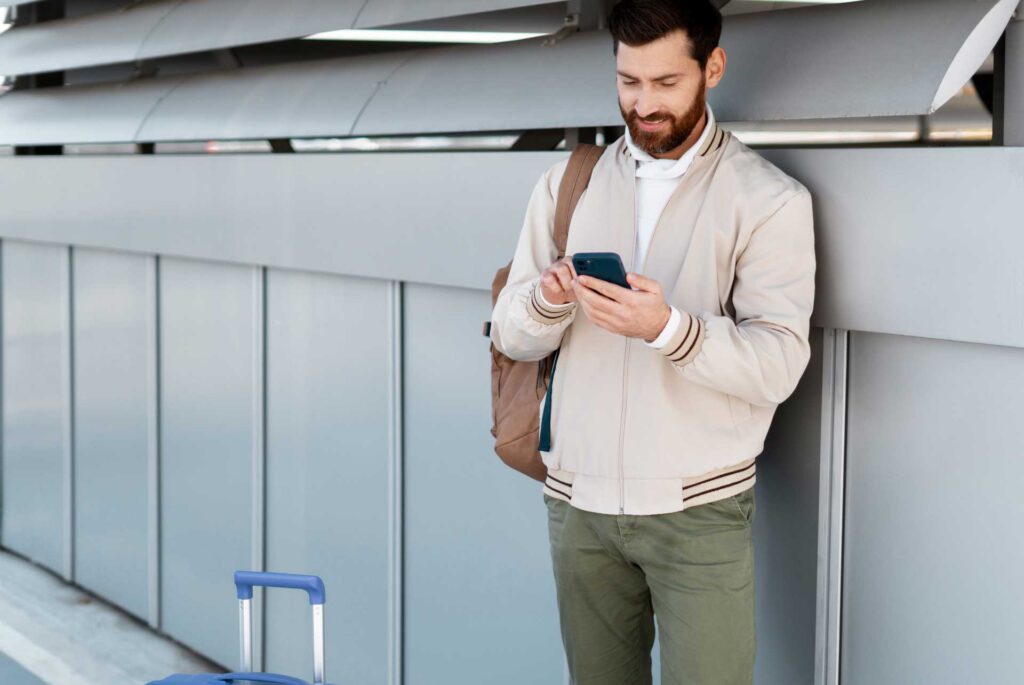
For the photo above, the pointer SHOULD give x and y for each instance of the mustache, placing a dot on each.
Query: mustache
(652, 121)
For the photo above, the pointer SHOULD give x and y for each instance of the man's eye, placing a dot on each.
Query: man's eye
(668, 84)
(630, 83)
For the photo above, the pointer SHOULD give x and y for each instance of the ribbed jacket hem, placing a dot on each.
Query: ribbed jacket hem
(647, 496)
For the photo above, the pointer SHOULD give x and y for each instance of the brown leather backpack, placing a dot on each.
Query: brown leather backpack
(518, 387)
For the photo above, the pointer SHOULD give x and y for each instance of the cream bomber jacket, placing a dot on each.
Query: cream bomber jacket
(639, 430)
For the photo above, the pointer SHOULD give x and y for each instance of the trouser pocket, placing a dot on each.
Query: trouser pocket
(743, 502)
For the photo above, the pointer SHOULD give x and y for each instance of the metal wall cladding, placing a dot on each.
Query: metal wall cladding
(889, 222)
(210, 443)
(328, 352)
(134, 31)
(786, 532)
(114, 303)
(794, 64)
(479, 592)
(36, 403)
(932, 553)
(312, 212)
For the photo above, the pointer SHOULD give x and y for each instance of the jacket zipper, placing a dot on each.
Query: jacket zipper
(625, 365)
(622, 433)
(625, 374)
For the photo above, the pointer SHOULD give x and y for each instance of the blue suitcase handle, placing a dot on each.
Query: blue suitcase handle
(262, 678)
(313, 585)
(217, 678)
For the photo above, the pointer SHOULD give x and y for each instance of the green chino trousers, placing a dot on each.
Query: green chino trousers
(692, 571)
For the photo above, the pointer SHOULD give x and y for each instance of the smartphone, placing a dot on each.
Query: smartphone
(604, 265)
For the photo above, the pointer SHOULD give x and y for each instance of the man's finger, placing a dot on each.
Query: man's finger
(641, 282)
(564, 277)
(609, 290)
(550, 281)
(602, 320)
(572, 268)
(597, 301)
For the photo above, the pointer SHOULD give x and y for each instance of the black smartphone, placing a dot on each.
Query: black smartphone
(604, 265)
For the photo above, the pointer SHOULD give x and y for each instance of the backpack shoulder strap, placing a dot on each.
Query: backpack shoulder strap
(577, 175)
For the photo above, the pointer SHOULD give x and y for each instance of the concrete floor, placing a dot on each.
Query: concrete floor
(53, 633)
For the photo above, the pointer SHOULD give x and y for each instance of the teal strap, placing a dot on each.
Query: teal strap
(545, 423)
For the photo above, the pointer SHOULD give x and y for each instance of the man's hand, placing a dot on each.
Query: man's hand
(640, 313)
(556, 281)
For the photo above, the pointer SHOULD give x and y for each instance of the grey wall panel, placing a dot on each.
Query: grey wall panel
(786, 533)
(36, 403)
(796, 64)
(931, 584)
(322, 98)
(480, 598)
(96, 38)
(327, 436)
(114, 312)
(56, 114)
(917, 242)
(909, 241)
(387, 12)
(240, 22)
(817, 62)
(518, 85)
(315, 212)
(209, 381)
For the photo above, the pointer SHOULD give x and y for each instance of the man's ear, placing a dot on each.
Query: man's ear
(714, 70)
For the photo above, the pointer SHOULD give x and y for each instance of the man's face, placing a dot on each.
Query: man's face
(662, 92)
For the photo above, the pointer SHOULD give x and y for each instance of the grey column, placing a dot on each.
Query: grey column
(1008, 126)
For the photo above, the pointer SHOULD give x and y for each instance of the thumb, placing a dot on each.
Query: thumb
(641, 282)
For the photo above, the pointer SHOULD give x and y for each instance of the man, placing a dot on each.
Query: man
(663, 392)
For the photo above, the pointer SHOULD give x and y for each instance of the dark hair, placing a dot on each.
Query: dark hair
(638, 22)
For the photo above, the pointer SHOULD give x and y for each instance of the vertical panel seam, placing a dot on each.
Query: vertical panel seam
(395, 649)
(154, 439)
(69, 418)
(831, 507)
(839, 496)
(259, 453)
(3, 382)
(823, 594)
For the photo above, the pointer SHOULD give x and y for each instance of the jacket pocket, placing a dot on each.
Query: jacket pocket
(744, 503)
(740, 409)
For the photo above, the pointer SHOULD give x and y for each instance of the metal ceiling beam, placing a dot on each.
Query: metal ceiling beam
(161, 28)
(807, 63)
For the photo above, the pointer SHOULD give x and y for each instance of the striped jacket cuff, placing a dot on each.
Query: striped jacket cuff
(543, 313)
(685, 343)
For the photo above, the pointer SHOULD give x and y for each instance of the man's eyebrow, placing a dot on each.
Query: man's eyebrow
(657, 78)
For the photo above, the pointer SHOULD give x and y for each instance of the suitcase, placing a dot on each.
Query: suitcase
(244, 583)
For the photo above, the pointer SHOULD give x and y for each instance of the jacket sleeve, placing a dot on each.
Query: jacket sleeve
(762, 355)
(523, 326)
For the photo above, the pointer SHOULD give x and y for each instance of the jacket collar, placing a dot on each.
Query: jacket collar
(712, 142)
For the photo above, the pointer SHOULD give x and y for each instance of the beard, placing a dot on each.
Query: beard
(679, 128)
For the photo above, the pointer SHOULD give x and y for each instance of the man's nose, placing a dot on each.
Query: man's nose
(645, 107)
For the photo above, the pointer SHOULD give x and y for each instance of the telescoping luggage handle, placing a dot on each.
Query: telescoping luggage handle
(314, 587)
